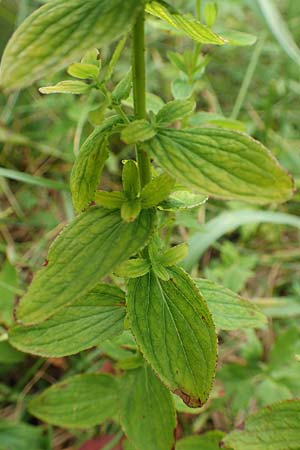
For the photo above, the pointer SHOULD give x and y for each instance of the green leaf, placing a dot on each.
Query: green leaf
(89, 248)
(122, 90)
(175, 110)
(173, 255)
(88, 321)
(88, 166)
(188, 25)
(8, 291)
(238, 38)
(157, 190)
(147, 411)
(207, 441)
(59, 33)
(133, 268)
(182, 349)
(130, 210)
(229, 310)
(183, 200)
(275, 427)
(130, 179)
(9, 355)
(222, 163)
(81, 401)
(84, 71)
(110, 200)
(67, 87)
(137, 131)
(20, 436)
(210, 13)
(92, 56)
(182, 89)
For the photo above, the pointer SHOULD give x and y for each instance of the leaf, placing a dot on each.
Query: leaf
(84, 71)
(8, 355)
(89, 248)
(131, 180)
(227, 222)
(133, 268)
(173, 255)
(110, 200)
(130, 210)
(207, 441)
(59, 33)
(175, 110)
(89, 164)
(67, 87)
(182, 349)
(157, 190)
(189, 26)
(137, 131)
(20, 436)
(148, 403)
(123, 89)
(222, 163)
(238, 38)
(181, 89)
(182, 200)
(97, 316)
(92, 56)
(81, 401)
(229, 310)
(275, 427)
(8, 290)
(279, 29)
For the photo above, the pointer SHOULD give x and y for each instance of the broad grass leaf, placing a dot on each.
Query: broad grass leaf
(175, 332)
(89, 248)
(59, 33)
(90, 320)
(147, 410)
(229, 310)
(275, 427)
(81, 401)
(222, 163)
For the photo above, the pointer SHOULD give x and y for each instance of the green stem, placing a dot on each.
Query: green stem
(139, 91)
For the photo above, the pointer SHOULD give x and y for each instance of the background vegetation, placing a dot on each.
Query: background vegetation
(253, 251)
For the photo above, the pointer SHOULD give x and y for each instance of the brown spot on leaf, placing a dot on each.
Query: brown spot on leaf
(45, 263)
(191, 402)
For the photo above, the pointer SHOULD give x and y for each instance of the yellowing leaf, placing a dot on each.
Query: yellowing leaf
(229, 310)
(175, 332)
(60, 32)
(81, 401)
(89, 248)
(191, 27)
(88, 321)
(222, 163)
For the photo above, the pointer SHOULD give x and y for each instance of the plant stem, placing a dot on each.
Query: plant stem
(139, 91)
